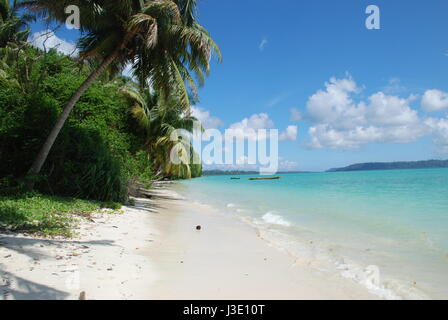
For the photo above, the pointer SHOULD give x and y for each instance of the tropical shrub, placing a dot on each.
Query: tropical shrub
(96, 154)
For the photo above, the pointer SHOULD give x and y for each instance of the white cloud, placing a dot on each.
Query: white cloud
(263, 44)
(324, 136)
(247, 128)
(296, 116)
(208, 121)
(435, 100)
(255, 121)
(335, 106)
(390, 110)
(290, 134)
(47, 39)
(439, 130)
(340, 123)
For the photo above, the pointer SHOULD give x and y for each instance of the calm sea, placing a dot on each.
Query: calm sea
(385, 229)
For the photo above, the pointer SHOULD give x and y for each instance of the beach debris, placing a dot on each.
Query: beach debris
(109, 269)
(181, 262)
(198, 228)
(82, 295)
(8, 256)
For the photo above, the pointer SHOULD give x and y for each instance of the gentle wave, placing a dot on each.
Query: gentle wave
(273, 218)
(324, 258)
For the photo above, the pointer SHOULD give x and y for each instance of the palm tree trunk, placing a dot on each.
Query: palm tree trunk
(45, 150)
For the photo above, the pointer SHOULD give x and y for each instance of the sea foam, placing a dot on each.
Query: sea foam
(273, 218)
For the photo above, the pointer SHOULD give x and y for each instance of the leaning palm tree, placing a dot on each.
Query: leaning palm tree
(167, 129)
(160, 38)
(13, 27)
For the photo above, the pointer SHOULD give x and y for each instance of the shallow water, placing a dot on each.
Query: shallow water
(385, 229)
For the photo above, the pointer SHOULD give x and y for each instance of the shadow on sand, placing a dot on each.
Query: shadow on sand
(17, 288)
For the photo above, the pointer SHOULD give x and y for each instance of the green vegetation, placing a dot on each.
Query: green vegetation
(98, 151)
(13, 28)
(42, 214)
(74, 127)
(159, 119)
(161, 39)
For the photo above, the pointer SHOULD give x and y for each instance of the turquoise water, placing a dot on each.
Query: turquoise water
(347, 221)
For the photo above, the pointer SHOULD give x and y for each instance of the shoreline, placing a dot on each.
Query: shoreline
(153, 251)
(229, 259)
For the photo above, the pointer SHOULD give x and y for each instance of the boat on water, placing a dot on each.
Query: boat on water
(267, 178)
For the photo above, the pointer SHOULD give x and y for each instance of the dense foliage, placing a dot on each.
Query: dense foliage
(97, 152)
(161, 40)
(70, 127)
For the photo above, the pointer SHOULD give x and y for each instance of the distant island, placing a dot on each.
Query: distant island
(428, 164)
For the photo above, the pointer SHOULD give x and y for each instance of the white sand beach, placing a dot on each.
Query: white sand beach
(153, 251)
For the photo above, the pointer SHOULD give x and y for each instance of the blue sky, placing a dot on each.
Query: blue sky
(363, 95)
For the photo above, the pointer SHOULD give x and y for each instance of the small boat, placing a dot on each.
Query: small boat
(267, 178)
(235, 178)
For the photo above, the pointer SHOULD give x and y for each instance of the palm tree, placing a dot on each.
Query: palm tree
(160, 118)
(160, 38)
(13, 28)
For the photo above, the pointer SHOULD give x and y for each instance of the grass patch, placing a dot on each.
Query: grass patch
(43, 214)
(112, 205)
